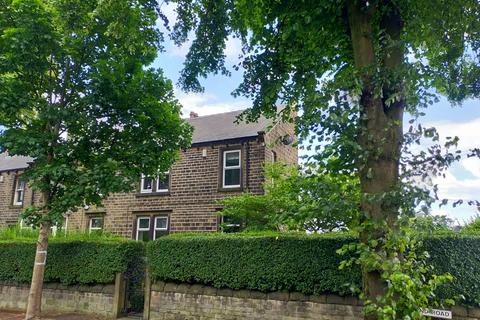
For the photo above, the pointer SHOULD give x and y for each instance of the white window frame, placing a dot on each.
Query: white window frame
(142, 190)
(90, 228)
(155, 228)
(142, 229)
(225, 168)
(16, 200)
(274, 160)
(168, 183)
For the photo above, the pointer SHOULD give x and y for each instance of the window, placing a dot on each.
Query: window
(230, 224)
(143, 228)
(274, 157)
(19, 192)
(146, 185)
(163, 182)
(161, 227)
(274, 160)
(151, 227)
(96, 224)
(150, 185)
(231, 169)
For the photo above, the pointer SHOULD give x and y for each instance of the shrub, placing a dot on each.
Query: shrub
(258, 262)
(458, 254)
(473, 225)
(70, 261)
(299, 262)
(295, 200)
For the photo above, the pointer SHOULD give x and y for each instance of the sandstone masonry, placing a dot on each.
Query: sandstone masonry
(171, 301)
(189, 202)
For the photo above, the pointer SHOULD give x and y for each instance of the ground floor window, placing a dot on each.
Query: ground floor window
(151, 227)
(95, 224)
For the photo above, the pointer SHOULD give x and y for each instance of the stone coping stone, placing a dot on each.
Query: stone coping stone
(98, 288)
(199, 289)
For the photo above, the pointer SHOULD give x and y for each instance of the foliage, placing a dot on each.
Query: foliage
(431, 224)
(78, 96)
(70, 261)
(459, 255)
(350, 68)
(308, 263)
(269, 262)
(17, 233)
(473, 225)
(296, 200)
(410, 282)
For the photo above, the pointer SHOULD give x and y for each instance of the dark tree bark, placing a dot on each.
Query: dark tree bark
(381, 135)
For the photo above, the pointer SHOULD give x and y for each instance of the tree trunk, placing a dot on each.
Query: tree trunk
(381, 134)
(35, 296)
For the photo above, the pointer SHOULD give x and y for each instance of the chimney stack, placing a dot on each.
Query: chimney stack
(193, 115)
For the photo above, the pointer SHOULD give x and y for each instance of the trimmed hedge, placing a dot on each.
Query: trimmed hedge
(271, 262)
(304, 263)
(70, 262)
(458, 254)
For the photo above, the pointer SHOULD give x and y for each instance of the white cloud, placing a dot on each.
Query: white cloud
(206, 104)
(468, 132)
(454, 188)
(457, 184)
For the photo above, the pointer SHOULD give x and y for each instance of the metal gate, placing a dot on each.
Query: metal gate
(135, 289)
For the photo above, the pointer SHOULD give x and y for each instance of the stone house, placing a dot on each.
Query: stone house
(224, 159)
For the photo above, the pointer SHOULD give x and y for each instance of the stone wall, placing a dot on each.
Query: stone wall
(9, 213)
(95, 300)
(191, 203)
(170, 301)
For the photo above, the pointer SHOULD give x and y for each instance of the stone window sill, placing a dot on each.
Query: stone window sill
(152, 194)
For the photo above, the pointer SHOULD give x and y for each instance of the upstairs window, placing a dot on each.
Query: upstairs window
(163, 182)
(231, 169)
(158, 185)
(19, 192)
(146, 185)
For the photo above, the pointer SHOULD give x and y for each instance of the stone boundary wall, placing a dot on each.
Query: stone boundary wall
(100, 300)
(171, 301)
(177, 302)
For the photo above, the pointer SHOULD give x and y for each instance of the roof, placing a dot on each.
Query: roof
(216, 127)
(222, 126)
(8, 163)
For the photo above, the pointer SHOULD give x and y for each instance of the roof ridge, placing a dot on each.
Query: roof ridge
(215, 114)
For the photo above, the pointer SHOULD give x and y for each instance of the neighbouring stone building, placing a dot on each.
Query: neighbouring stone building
(225, 159)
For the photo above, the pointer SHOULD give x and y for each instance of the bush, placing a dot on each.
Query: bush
(298, 262)
(295, 200)
(258, 262)
(70, 261)
(460, 256)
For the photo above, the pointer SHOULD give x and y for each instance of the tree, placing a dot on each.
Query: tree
(296, 200)
(77, 95)
(352, 68)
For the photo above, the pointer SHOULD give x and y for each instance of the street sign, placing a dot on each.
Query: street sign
(436, 313)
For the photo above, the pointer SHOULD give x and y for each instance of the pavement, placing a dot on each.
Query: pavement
(7, 315)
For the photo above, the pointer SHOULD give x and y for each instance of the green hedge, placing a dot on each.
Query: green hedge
(272, 262)
(460, 256)
(308, 264)
(70, 262)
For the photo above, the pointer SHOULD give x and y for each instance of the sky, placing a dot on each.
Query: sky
(462, 180)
